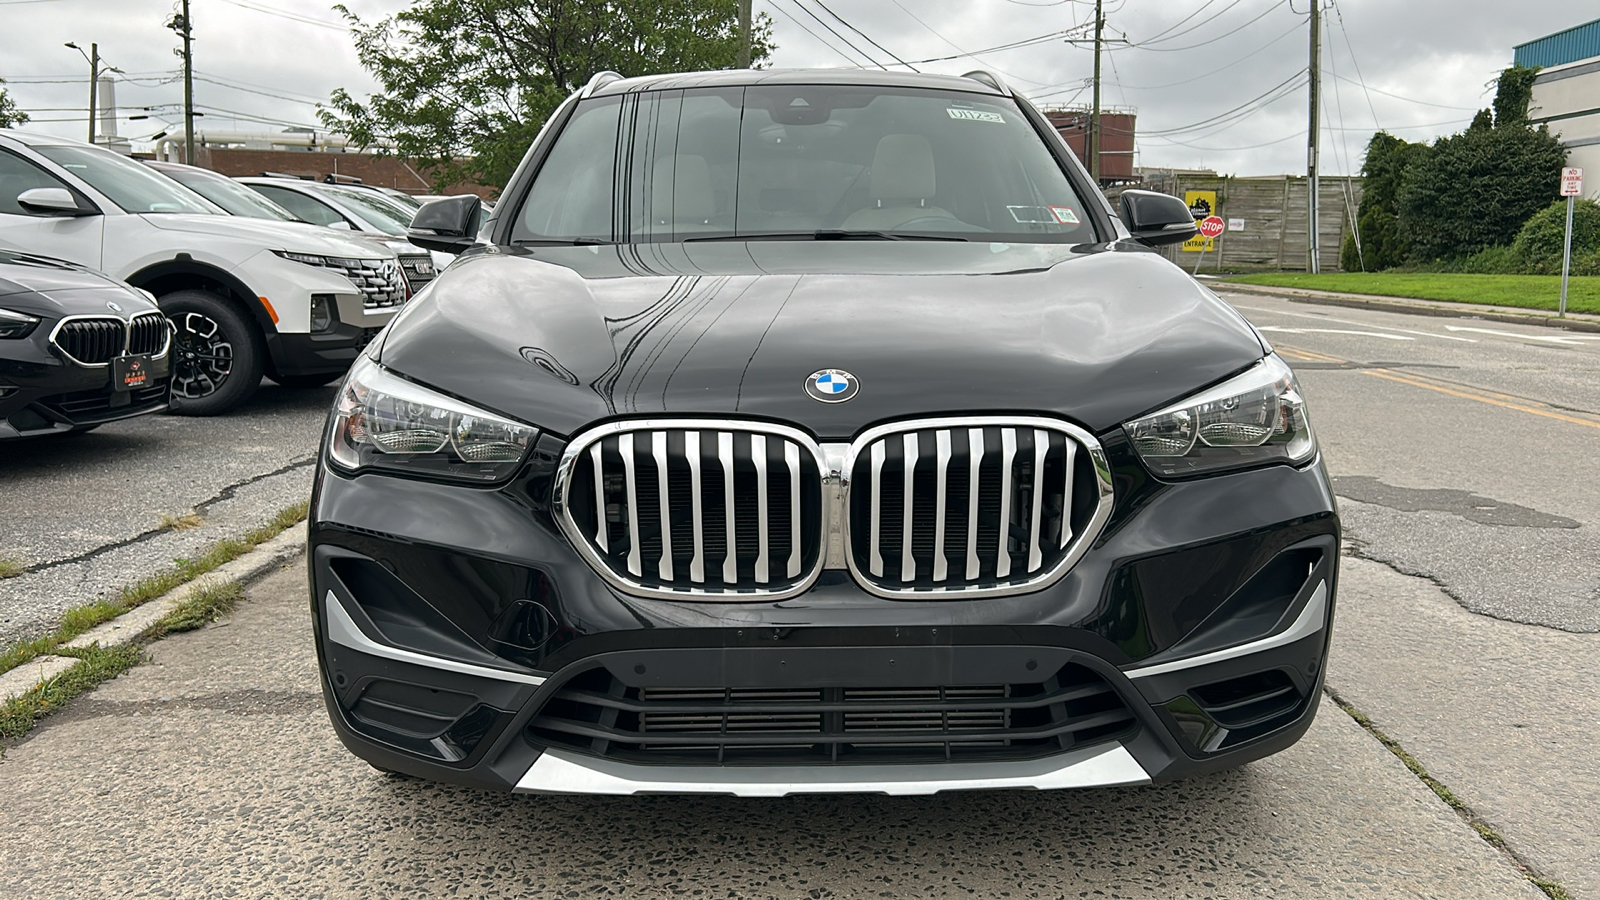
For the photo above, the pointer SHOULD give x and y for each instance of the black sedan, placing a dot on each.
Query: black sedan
(790, 432)
(77, 349)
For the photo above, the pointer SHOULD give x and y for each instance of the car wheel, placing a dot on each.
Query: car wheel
(306, 381)
(217, 354)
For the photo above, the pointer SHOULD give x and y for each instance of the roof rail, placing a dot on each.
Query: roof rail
(600, 80)
(289, 175)
(987, 77)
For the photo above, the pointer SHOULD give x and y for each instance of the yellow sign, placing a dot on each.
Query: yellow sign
(1201, 204)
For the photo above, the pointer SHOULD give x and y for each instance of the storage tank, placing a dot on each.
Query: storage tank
(1116, 139)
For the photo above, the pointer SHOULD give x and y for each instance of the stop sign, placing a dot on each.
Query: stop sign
(1212, 226)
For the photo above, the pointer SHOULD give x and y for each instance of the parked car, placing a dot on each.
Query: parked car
(77, 349)
(816, 431)
(343, 206)
(248, 297)
(240, 200)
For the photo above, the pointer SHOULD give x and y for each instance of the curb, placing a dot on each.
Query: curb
(1573, 322)
(138, 622)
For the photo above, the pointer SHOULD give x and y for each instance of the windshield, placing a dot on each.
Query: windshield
(374, 209)
(802, 162)
(230, 195)
(132, 186)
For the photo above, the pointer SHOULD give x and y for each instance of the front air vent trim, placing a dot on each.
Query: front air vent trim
(1079, 545)
(581, 444)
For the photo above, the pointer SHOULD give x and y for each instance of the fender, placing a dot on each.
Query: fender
(182, 269)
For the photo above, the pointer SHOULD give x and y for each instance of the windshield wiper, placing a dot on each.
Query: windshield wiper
(826, 234)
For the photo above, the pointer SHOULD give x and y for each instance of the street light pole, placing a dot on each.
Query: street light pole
(180, 24)
(93, 58)
(744, 34)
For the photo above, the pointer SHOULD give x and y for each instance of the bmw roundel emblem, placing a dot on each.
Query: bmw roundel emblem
(113, 307)
(832, 385)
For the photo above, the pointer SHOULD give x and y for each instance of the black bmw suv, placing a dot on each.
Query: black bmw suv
(816, 431)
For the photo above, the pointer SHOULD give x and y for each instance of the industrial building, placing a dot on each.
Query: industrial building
(1566, 94)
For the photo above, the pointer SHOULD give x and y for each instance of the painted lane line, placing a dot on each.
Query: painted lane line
(1300, 315)
(1573, 340)
(1377, 334)
(1482, 399)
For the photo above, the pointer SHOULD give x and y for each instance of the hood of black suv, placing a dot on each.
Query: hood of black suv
(42, 286)
(561, 337)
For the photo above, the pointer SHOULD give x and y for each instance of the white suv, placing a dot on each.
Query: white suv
(248, 298)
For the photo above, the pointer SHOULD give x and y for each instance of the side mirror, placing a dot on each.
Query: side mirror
(449, 225)
(1156, 219)
(55, 201)
(340, 226)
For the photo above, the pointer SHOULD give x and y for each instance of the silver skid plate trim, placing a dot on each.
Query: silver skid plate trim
(343, 630)
(560, 772)
(1311, 620)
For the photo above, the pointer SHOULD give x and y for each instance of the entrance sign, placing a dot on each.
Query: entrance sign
(1202, 205)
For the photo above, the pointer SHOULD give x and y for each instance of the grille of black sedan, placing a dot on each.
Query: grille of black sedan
(148, 334)
(730, 511)
(92, 342)
(975, 505)
(599, 715)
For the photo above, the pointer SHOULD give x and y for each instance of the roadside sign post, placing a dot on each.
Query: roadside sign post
(1210, 228)
(1571, 187)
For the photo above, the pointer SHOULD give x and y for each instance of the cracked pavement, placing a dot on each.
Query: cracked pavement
(84, 511)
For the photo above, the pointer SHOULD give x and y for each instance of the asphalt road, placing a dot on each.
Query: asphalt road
(1468, 616)
(84, 511)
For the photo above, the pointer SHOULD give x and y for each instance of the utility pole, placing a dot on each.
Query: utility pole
(180, 24)
(744, 33)
(1094, 116)
(93, 58)
(1313, 240)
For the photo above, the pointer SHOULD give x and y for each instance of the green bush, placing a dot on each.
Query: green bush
(1538, 246)
(1501, 260)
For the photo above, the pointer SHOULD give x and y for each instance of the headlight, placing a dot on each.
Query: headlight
(15, 324)
(382, 421)
(321, 262)
(1258, 417)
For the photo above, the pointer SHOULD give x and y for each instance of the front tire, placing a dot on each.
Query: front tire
(217, 354)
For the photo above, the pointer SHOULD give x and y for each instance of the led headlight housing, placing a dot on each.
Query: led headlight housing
(15, 324)
(382, 421)
(1253, 419)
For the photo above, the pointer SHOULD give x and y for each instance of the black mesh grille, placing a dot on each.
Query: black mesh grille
(989, 506)
(92, 341)
(599, 715)
(147, 334)
(660, 532)
(418, 270)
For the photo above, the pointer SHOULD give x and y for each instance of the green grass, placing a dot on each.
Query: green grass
(11, 565)
(1541, 292)
(80, 619)
(95, 665)
(203, 606)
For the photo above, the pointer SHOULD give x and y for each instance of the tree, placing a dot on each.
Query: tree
(1383, 243)
(1475, 189)
(10, 115)
(466, 84)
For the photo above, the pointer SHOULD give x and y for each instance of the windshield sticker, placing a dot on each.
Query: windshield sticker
(1064, 215)
(975, 115)
(1031, 215)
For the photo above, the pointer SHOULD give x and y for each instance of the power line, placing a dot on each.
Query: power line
(1159, 35)
(1236, 60)
(818, 38)
(1285, 87)
(1264, 13)
(803, 8)
(1411, 99)
(233, 87)
(1351, 47)
(931, 30)
(282, 14)
(866, 36)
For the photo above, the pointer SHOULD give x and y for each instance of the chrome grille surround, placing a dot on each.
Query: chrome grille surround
(694, 464)
(417, 269)
(960, 564)
(93, 341)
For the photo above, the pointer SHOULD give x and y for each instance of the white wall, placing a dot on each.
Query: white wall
(1573, 88)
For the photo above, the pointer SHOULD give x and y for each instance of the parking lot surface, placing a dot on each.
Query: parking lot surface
(212, 771)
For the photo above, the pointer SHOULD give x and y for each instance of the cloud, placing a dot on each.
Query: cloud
(1431, 60)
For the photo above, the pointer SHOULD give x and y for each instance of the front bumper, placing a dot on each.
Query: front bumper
(41, 393)
(461, 638)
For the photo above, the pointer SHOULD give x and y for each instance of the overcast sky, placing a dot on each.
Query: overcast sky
(1426, 64)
